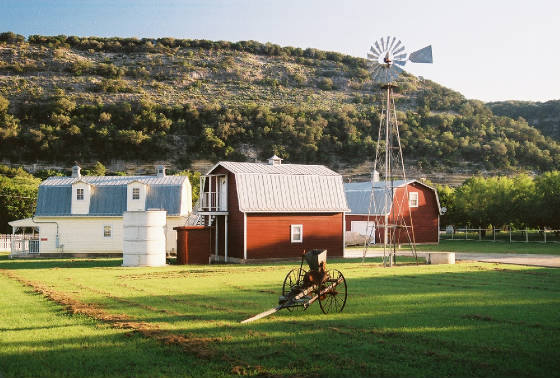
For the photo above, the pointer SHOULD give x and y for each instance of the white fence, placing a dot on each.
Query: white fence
(508, 235)
(7, 240)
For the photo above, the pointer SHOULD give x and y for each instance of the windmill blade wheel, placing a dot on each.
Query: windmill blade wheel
(334, 292)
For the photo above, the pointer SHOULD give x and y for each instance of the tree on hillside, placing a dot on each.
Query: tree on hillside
(18, 196)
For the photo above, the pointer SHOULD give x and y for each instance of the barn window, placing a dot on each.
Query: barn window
(413, 199)
(79, 194)
(107, 231)
(297, 233)
(135, 193)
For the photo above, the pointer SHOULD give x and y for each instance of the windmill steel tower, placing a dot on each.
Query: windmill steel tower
(386, 58)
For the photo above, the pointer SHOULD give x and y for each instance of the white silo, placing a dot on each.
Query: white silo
(144, 238)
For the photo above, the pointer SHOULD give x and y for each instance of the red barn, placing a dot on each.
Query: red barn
(273, 210)
(411, 198)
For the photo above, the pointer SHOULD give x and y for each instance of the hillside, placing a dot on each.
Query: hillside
(544, 116)
(66, 99)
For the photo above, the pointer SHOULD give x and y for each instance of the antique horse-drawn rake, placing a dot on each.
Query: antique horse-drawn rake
(301, 287)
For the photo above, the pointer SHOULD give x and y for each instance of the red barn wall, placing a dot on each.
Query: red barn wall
(269, 235)
(425, 217)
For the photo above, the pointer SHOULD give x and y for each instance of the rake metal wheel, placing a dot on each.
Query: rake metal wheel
(293, 284)
(334, 300)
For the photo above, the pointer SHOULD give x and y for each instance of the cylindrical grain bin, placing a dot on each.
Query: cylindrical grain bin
(195, 244)
(144, 238)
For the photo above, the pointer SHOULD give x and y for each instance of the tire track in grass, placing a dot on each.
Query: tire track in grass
(201, 347)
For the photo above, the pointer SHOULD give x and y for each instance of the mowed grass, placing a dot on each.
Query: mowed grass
(470, 319)
(475, 246)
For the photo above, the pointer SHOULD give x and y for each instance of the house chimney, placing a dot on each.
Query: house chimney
(274, 160)
(76, 171)
(375, 176)
(160, 171)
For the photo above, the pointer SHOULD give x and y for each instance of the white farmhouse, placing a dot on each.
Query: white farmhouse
(83, 215)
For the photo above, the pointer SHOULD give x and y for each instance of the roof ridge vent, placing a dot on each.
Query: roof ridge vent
(274, 160)
(160, 171)
(76, 171)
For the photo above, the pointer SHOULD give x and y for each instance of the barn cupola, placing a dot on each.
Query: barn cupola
(160, 171)
(274, 160)
(76, 171)
(375, 176)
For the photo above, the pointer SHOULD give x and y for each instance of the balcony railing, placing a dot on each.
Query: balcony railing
(213, 201)
(213, 193)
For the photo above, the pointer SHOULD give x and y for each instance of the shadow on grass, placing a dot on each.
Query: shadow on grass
(491, 322)
(39, 263)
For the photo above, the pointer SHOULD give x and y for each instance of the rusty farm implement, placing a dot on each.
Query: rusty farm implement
(302, 287)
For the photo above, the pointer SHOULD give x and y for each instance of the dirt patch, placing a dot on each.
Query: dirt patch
(74, 306)
(486, 318)
(195, 345)
(172, 274)
(241, 288)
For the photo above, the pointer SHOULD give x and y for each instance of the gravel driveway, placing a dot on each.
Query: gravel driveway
(551, 261)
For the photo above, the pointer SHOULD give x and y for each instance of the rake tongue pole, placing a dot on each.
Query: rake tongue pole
(263, 314)
(295, 298)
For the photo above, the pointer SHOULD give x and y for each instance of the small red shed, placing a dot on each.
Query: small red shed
(411, 199)
(273, 210)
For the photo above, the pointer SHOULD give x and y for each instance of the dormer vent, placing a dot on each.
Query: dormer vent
(274, 160)
(160, 171)
(76, 171)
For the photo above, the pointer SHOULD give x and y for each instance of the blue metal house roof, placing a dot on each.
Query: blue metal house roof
(108, 197)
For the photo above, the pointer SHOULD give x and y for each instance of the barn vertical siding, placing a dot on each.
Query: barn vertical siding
(269, 235)
(424, 217)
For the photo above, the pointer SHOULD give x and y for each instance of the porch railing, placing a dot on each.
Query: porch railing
(24, 247)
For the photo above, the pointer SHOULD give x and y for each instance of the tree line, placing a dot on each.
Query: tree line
(520, 202)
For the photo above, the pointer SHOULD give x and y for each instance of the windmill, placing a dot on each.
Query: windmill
(387, 58)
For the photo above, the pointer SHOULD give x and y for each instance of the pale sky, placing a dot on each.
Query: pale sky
(487, 50)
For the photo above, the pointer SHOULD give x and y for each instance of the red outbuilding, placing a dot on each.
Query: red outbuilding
(272, 210)
(411, 199)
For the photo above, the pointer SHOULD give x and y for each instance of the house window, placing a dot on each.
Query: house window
(107, 231)
(413, 199)
(135, 193)
(79, 194)
(297, 233)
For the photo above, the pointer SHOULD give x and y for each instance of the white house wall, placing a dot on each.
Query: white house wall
(85, 234)
(171, 234)
(186, 198)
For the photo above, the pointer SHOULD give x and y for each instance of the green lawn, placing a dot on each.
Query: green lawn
(470, 319)
(476, 246)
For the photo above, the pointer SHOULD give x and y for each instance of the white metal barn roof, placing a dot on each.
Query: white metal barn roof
(358, 195)
(287, 187)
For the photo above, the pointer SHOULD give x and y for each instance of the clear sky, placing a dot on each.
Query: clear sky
(489, 50)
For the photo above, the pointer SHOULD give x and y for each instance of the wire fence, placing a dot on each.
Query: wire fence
(507, 235)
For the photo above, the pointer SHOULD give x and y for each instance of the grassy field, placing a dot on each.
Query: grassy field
(78, 318)
(476, 246)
